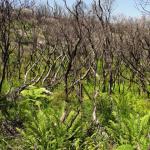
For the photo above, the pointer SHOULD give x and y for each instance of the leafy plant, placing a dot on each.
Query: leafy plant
(133, 130)
(125, 147)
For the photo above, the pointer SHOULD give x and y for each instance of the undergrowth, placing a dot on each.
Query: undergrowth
(123, 122)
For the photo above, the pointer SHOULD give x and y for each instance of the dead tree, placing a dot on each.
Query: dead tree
(5, 27)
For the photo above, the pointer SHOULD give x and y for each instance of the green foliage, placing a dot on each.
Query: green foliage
(125, 147)
(46, 132)
(104, 104)
(123, 124)
(35, 93)
(132, 130)
(33, 99)
(5, 87)
(100, 82)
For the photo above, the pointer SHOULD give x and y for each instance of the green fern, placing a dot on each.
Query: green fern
(133, 130)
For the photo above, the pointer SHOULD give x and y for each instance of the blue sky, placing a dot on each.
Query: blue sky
(121, 7)
(127, 7)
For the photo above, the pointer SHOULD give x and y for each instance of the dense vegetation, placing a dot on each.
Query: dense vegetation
(73, 78)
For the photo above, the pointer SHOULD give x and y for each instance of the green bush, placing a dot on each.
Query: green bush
(133, 130)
